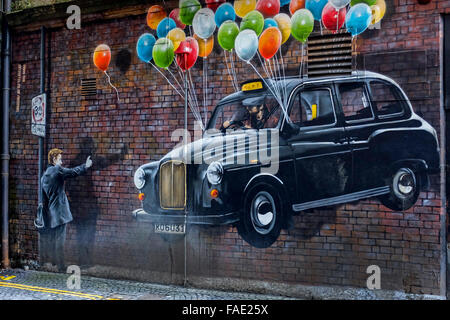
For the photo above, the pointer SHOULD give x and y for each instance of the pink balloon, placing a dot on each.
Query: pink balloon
(175, 15)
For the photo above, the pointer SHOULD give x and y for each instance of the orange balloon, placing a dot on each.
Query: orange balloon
(154, 16)
(269, 42)
(102, 57)
(296, 5)
(205, 47)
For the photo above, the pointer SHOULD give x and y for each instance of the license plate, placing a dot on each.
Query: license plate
(176, 228)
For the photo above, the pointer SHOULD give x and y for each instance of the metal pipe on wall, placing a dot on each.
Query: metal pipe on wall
(41, 139)
(6, 51)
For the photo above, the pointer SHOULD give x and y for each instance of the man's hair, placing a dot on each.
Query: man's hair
(53, 154)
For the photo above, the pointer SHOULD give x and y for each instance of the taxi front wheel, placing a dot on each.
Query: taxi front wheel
(261, 219)
(404, 188)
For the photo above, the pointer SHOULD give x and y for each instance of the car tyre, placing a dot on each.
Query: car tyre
(404, 187)
(261, 219)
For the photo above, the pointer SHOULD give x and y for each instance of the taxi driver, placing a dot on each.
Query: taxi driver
(250, 117)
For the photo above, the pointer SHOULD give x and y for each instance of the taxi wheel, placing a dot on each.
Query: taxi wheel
(261, 220)
(404, 190)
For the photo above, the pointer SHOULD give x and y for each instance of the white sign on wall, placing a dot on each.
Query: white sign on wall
(38, 115)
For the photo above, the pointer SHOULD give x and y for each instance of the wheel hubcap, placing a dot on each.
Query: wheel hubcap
(263, 212)
(404, 183)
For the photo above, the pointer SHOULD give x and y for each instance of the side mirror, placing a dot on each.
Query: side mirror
(290, 129)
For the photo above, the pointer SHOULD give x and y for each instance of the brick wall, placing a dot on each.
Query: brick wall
(326, 247)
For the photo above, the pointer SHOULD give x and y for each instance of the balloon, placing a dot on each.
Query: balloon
(163, 52)
(242, 7)
(284, 24)
(175, 15)
(165, 26)
(269, 42)
(269, 22)
(284, 2)
(382, 5)
(188, 9)
(144, 47)
(203, 23)
(368, 2)
(268, 8)
(214, 4)
(302, 24)
(155, 15)
(187, 53)
(338, 4)
(228, 32)
(246, 44)
(102, 57)
(358, 18)
(296, 5)
(205, 46)
(316, 7)
(253, 20)
(333, 19)
(223, 13)
(376, 13)
(176, 36)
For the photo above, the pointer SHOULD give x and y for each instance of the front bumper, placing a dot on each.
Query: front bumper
(141, 215)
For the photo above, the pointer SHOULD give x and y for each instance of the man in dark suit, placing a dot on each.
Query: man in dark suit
(56, 211)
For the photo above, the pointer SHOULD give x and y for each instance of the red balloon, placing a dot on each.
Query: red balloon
(332, 19)
(268, 8)
(214, 4)
(175, 15)
(187, 53)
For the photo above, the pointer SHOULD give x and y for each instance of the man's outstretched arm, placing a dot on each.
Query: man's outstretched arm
(75, 172)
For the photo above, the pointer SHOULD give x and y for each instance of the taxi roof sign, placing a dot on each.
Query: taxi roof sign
(252, 85)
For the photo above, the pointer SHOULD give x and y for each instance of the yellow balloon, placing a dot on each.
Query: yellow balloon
(242, 7)
(382, 5)
(176, 35)
(284, 24)
(376, 13)
(205, 47)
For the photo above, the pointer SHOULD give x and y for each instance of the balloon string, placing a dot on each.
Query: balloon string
(229, 72)
(301, 64)
(275, 96)
(191, 101)
(195, 96)
(157, 69)
(109, 81)
(205, 89)
(233, 69)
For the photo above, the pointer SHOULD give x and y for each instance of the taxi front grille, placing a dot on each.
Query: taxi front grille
(172, 185)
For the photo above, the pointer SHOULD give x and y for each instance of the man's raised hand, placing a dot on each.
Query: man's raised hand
(88, 162)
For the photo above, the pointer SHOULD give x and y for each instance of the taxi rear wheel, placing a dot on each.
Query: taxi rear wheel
(261, 220)
(404, 190)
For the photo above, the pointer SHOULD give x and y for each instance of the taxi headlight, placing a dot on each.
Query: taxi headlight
(139, 178)
(215, 172)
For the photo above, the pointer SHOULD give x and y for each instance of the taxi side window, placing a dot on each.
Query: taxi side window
(386, 99)
(355, 104)
(313, 108)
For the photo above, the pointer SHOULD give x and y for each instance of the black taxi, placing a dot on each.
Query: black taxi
(280, 147)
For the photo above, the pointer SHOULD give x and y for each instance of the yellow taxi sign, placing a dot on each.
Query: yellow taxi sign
(251, 86)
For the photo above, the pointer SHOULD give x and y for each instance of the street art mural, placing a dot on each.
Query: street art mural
(279, 145)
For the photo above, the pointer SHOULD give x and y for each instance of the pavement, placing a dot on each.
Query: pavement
(20, 284)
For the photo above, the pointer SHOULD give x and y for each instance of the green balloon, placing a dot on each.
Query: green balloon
(368, 2)
(163, 52)
(188, 9)
(228, 32)
(302, 24)
(253, 20)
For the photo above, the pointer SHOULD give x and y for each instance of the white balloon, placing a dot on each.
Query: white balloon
(246, 44)
(339, 4)
(203, 23)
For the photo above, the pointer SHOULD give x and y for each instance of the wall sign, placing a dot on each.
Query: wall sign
(38, 115)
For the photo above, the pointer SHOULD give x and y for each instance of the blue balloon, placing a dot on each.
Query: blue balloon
(269, 22)
(316, 7)
(165, 26)
(144, 47)
(223, 13)
(284, 2)
(358, 18)
(246, 44)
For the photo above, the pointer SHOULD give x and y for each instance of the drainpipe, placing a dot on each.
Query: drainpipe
(6, 50)
(41, 139)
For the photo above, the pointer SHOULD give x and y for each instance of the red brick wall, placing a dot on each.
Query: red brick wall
(326, 247)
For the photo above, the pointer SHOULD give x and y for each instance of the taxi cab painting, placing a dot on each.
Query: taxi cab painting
(338, 140)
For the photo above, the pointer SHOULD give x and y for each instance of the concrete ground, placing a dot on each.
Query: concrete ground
(19, 284)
